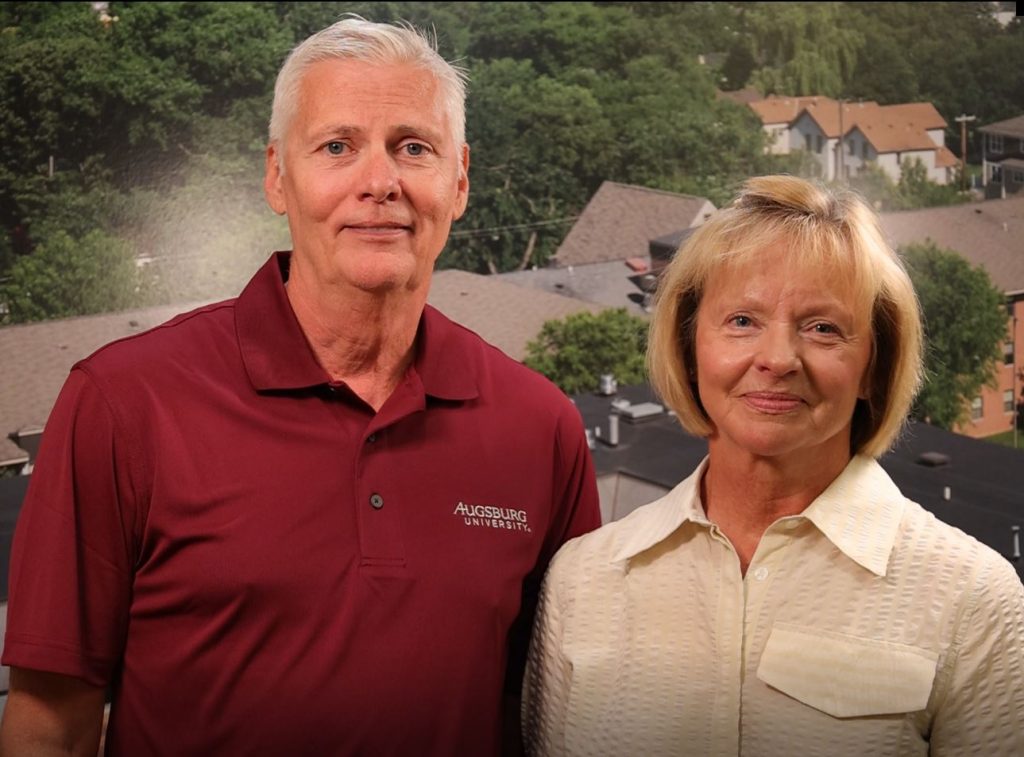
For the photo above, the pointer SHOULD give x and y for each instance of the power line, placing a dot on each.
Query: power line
(514, 227)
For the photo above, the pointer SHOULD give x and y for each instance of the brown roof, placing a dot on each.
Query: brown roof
(621, 219)
(1011, 127)
(506, 315)
(38, 357)
(945, 158)
(825, 113)
(776, 109)
(989, 234)
(897, 128)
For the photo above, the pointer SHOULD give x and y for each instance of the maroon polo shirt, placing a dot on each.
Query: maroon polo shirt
(258, 563)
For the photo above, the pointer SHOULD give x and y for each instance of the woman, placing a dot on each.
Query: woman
(785, 598)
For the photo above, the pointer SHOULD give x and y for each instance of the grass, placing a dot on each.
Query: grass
(1006, 439)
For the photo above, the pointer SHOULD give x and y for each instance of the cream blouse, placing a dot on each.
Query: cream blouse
(863, 626)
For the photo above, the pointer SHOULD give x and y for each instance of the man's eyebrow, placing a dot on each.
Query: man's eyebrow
(430, 135)
(335, 130)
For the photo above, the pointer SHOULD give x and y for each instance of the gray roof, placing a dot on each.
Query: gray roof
(985, 479)
(621, 219)
(609, 284)
(506, 315)
(1011, 127)
(989, 234)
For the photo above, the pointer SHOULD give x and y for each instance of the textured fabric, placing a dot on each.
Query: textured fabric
(258, 563)
(863, 626)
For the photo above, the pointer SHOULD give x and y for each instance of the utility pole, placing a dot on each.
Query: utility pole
(842, 172)
(962, 119)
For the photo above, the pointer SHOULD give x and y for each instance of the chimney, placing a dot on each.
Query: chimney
(607, 385)
(613, 430)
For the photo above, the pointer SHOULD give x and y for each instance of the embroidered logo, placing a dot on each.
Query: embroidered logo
(490, 516)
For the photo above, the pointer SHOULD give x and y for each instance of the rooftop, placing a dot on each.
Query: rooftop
(621, 219)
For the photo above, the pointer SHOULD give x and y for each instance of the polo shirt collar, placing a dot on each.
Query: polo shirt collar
(859, 513)
(277, 355)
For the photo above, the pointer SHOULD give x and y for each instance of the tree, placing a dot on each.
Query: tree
(965, 327)
(65, 277)
(574, 352)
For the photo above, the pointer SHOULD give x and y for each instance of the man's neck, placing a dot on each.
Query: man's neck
(363, 339)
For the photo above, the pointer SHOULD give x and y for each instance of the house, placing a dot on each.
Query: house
(620, 219)
(989, 234)
(1002, 157)
(885, 135)
(640, 452)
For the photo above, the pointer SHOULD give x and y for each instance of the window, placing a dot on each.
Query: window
(1008, 401)
(1008, 353)
(864, 150)
(807, 142)
(1018, 176)
(817, 141)
(977, 410)
(997, 173)
(995, 143)
(851, 147)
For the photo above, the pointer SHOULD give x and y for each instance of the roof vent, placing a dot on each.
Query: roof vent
(642, 411)
(933, 459)
(607, 384)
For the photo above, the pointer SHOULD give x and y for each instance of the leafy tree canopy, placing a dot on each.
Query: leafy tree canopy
(575, 352)
(965, 327)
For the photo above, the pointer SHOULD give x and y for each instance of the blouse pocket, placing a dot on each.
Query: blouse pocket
(847, 676)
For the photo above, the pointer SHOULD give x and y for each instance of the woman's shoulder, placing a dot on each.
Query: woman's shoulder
(929, 546)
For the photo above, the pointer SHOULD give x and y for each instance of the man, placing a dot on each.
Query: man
(301, 521)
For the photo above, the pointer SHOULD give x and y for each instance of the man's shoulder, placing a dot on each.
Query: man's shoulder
(499, 373)
(186, 335)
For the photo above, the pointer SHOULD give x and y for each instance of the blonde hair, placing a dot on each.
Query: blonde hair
(825, 229)
(356, 38)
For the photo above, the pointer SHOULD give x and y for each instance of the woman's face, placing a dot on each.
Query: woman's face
(782, 356)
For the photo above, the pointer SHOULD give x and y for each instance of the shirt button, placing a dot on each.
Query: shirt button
(761, 573)
(376, 501)
(371, 438)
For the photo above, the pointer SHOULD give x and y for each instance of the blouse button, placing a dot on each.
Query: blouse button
(761, 573)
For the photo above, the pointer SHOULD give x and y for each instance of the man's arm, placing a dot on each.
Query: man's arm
(51, 714)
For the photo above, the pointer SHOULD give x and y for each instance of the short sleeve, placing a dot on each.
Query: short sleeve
(983, 710)
(72, 554)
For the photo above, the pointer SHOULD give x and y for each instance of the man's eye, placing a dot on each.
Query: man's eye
(415, 149)
(335, 148)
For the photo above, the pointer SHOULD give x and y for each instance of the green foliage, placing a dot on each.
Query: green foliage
(965, 327)
(913, 190)
(574, 352)
(803, 48)
(66, 276)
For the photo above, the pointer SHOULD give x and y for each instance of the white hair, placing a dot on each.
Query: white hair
(355, 38)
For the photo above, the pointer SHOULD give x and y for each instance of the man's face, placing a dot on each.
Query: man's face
(372, 179)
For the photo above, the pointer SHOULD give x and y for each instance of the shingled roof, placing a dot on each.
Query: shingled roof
(38, 357)
(506, 315)
(1011, 127)
(621, 219)
(989, 234)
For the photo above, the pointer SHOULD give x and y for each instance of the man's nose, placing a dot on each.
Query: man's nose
(778, 351)
(379, 178)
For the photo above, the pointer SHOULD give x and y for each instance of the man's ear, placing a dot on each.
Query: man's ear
(462, 199)
(272, 180)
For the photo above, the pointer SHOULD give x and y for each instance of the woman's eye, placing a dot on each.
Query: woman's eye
(825, 328)
(335, 148)
(741, 320)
